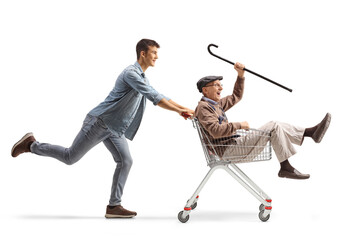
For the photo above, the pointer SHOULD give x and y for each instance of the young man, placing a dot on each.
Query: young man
(211, 114)
(118, 117)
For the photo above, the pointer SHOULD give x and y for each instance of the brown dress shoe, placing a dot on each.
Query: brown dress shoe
(23, 145)
(293, 175)
(118, 212)
(322, 128)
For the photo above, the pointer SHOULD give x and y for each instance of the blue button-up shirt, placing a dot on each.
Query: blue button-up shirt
(124, 107)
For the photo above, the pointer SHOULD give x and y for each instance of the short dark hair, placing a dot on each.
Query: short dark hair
(143, 45)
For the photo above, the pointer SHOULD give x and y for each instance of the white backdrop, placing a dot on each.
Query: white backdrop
(59, 59)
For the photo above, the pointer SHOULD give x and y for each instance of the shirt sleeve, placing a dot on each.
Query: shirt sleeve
(138, 83)
(227, 102)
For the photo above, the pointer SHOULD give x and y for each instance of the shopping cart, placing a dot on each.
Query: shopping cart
(246, 146)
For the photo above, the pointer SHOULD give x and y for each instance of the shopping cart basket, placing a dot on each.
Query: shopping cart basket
(246, 146)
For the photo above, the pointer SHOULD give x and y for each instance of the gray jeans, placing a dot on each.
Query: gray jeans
(93, 132)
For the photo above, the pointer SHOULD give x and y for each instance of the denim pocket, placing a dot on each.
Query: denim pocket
(101, 123)
(88, 119)
(87, 123)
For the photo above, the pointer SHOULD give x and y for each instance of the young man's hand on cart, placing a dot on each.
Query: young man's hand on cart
(187, 113)
(173, 106)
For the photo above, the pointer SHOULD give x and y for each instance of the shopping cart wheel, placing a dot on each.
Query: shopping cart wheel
(261, 207)
(181, 219)
(193, 206)
(261, 216)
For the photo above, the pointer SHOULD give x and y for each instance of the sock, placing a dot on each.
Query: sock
(286, 166)
(309, 131)
(28, 146)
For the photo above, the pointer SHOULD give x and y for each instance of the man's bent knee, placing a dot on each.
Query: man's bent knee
(70, 158)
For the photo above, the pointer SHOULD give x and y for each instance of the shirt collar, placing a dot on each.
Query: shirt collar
(140, 69)
(209, 100)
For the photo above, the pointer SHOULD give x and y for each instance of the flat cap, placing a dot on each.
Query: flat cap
(205, 80)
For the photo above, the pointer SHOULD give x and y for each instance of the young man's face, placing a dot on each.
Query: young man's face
(150, 56)
(213, 90)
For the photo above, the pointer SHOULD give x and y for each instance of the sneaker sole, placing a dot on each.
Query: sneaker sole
(22, 139)
(118, 216)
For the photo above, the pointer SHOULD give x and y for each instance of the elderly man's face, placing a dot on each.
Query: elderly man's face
(213, 90)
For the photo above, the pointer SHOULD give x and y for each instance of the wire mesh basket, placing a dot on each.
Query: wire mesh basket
(245, 146)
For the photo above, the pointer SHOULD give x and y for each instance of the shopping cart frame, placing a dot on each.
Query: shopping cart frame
(216, 162)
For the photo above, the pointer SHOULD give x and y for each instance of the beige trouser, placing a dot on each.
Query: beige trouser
(283, 136)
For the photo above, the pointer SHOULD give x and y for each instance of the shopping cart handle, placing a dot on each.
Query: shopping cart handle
(186, 115)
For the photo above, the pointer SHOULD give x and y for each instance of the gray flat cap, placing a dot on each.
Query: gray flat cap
(205, 80)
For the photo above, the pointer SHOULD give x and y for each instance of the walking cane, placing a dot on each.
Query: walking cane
(248, 70)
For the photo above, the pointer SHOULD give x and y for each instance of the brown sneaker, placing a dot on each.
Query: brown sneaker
(118, 212)
(23, 145)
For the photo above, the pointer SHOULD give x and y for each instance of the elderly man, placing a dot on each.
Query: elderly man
(211, 114)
